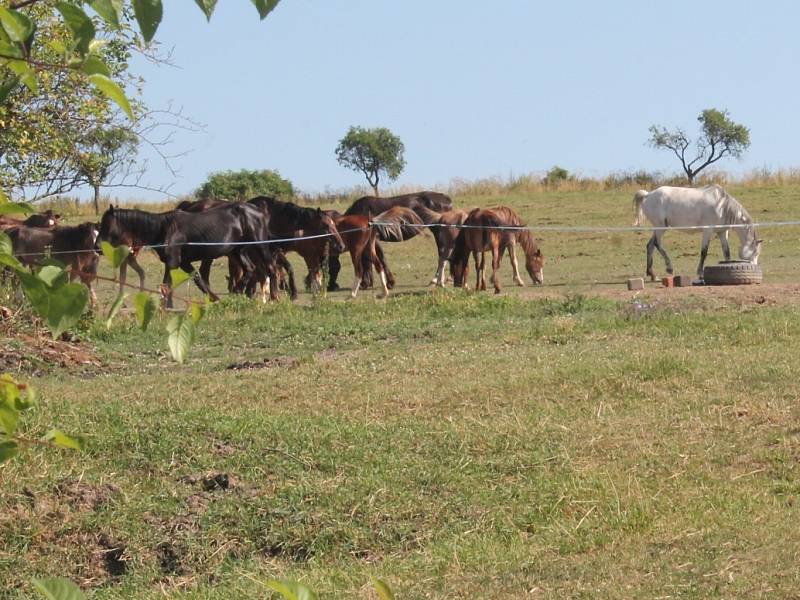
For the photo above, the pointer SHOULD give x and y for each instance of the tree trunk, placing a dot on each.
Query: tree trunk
(96, 199)
(690, 177)
(375, 189)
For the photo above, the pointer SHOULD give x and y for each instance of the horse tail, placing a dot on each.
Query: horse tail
(638, 215)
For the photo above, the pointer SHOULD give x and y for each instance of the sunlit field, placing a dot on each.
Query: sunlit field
(566, 440)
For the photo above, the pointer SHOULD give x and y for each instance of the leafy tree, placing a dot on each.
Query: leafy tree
(104, 154)
(556, 175)
(372, 152)
(244, 184)
(719, 137)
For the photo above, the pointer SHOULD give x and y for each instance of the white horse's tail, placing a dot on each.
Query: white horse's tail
(638, 198)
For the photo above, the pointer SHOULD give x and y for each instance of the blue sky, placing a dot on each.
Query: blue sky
(474, 89)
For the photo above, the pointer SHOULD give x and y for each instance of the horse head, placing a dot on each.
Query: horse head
(110, 229)
(750, 248)
(534, 263)
(327, 225)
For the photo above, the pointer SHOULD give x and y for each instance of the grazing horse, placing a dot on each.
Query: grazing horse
(372, 205)
(483, 230)
(681, 207)
(445, 229)
(360, 239)
(133, 228)
(200, 205)
(75, 246)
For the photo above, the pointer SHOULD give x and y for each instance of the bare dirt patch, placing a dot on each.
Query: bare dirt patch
(29, 353)
(266, 363)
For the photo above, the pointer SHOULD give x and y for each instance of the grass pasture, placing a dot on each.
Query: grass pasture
(564, 441)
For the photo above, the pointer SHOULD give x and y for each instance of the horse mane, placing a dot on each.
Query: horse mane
(733, 213)
(145, 226)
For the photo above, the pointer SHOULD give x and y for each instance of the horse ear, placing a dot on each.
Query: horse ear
(319, 210)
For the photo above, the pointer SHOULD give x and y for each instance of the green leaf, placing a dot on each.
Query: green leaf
(148, 13)
(61, 439)
(79, 24)
(207, 6)
(291, 590)
(7, 87)
(112, 91)
(58, 588)
(197, 311)
(109, 10)
(8, 450)
(146, 308)
(53, 275)
(7, 260)
(11, 49)
(16, 208)
(384, 591)
(36, 292)
(181, 336)
(179, 276)
(6, 247)
(26, 74)
(112, 312)
(18, 26)
(8, 418)
(67, 304)
(115, 255)
(94, 65)
(265, 7)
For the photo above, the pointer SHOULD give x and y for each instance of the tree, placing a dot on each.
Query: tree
(556, 175)
(372, 151)
(105, 153)
(719, 137)
(244, 184)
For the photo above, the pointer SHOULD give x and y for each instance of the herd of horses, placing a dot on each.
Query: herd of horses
(256, 235)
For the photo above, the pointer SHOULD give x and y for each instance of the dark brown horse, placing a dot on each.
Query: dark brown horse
(485, 230)
(76, 247)
(373, 205)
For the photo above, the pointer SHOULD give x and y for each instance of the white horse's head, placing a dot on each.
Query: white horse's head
(751, 249)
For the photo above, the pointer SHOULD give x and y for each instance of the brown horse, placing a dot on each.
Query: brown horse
(360, 240)
(46, 219)
(484, 230)
(76, 247)
(445, 229)
(373, 205)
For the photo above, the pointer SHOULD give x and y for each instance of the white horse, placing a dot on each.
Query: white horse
(683, 208)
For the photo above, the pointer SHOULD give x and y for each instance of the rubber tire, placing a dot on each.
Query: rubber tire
(732, 272)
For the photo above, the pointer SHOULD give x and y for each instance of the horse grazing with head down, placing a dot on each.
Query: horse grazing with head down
(681, 207)
(486, 230)
(43, 219)
(445, 229)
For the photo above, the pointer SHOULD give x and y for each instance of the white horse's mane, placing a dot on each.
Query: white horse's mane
(733, 213)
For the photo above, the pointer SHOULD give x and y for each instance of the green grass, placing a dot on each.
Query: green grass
(552, 443)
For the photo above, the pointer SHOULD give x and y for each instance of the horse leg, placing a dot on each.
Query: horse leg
(512, 252)
(723, 240)
(480, 284)
(704, 251)
(651, 244)
(287, 266)
(201, 279)
(667, 260)
(356, 255)
(134, 264)
(380, 267)
(123, 273)
(334, 266)
(166, 284)
(390, 281)
(496, 256)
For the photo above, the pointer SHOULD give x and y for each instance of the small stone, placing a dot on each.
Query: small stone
(683, 281)
(668, 281)
(637, 283)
